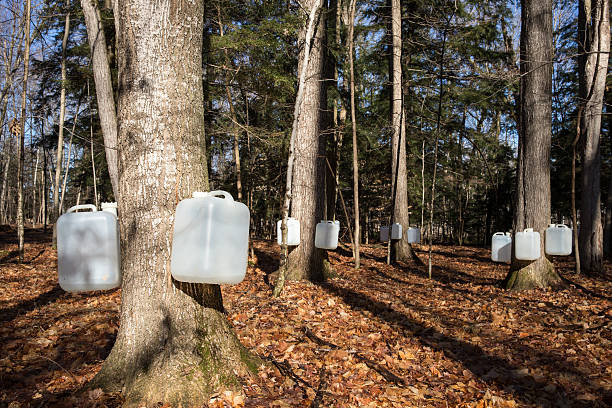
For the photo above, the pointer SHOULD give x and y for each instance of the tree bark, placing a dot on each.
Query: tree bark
(532, 208)
(104, 86)
(307, 195)
(351, 46)
(174, 345)
(401, 250)
(594, 46)
(21, 143)
(62, 112)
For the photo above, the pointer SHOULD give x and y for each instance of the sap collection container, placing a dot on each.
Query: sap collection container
(88, 254)
(326, 234)
(527, 245)
(293, 232)
(413, 235)
(210, 240)
(558, 240)
(501, 247)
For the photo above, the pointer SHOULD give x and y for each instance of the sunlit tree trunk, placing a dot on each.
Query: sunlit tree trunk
(532, 207)
(401, 250)
(104, 85)
(174, 344)
(21, 143)
(594, 47)
(62, 112)
(308, 185)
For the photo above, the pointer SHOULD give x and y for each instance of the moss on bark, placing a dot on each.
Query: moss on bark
(532, 275)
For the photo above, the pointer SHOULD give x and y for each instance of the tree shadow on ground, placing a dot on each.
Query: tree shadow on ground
(50, 296)
(523, 387)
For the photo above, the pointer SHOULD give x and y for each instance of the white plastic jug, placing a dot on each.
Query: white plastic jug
(326, 234)
(88, 255)
(211, 239)
(413, 235)
(109, 207)
(501, 247)
(293, 232)
(558, 240)
(384, 234)
(396, 231)
(527, 245)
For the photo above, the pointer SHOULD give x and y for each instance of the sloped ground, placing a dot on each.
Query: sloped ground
(379, 337)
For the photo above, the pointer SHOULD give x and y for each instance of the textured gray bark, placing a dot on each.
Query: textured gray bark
(104, 85)
(307, 192)
(174, 344)
(401, 250)
(532, 209)
(594, 46)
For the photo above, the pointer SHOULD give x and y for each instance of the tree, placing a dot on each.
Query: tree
(174, 344)
(532, 205)
(401, 250)
(104, 87)
(308, 186)
(594, 48)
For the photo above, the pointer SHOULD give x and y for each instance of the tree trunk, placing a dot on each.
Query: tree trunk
(401, 250)
(594, 46)
(21, 143)
(532, 208)
(608, 226)
(351, 46)
(3, 194)
(174, 344)
(104, 86)
(307, 196)
(62, 112)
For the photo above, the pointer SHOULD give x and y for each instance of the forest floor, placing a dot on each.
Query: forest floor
(381, 336)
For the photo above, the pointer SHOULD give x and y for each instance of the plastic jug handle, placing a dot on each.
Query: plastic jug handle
(528, 230)
(225, 194)
(498, 233)
(82, 207)
(562, 226)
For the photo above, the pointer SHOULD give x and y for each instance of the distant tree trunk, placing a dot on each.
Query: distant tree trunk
(3, 195)
(351, 46)
(234, 118)
(174, 345)
(608, 226)
(532, 208)
(594, 47)
(104, 86)
(401, 250)
(21, 143)
(307, 197)
(62, 112)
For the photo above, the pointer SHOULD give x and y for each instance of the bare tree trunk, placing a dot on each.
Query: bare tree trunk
(421, 226)
(21, 143)
(3, 195)
(76, 116)
(91, 149)
(401, 250)
(351, 46)
(307, 192)
(174, 345)
(62, 112)
(594, 47)
(608, 226)
(234, 118)
(532, 209)
(104, 86)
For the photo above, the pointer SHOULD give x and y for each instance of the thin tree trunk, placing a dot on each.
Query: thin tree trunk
(351, 44)
(437, 135)
(76, 116)
(3, 195)
(174, 344)
(91, 149)
(304, 147)
(532, 206)
(62, 112)
(234, 118)
(104, 86)
(594, 47)
(21, 143)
